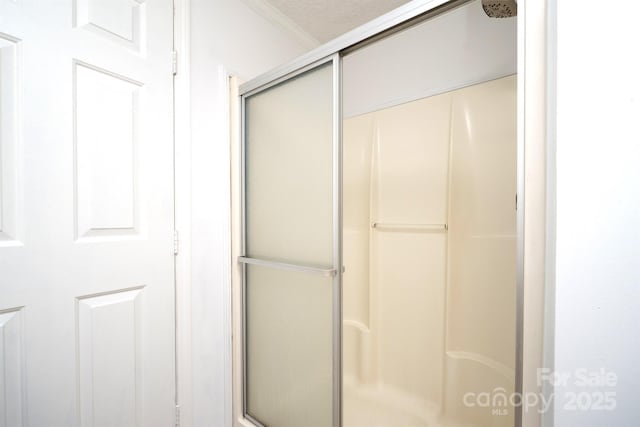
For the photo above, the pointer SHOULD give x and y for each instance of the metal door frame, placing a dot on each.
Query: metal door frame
(336, 269)
(406, 16)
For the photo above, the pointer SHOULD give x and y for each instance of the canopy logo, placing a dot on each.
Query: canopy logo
(580, 390)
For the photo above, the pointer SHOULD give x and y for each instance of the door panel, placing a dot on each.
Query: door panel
(8, 140)
(11, 360)
(106, 181)
(110, 383)
(289, 347)
(86, 195)
(292, 295)
(289, 157)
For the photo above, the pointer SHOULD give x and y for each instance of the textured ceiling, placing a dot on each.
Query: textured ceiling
(326, 19)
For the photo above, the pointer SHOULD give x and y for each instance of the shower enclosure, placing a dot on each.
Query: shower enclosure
(378, 248)
(430, 262)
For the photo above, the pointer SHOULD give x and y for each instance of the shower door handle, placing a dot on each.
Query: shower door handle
(326, 272)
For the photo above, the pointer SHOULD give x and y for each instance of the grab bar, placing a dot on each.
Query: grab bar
(409, 227)
(326, 272)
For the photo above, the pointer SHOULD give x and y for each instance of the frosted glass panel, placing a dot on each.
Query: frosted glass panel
(289, 141)
(289, 348)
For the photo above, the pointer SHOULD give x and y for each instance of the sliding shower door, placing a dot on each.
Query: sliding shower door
(291, 274)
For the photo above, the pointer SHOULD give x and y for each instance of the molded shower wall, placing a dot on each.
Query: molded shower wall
(429, 310)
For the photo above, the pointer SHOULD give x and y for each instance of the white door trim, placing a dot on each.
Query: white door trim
(183, 219)
(225, 84)
(534, 64)
(182, 174)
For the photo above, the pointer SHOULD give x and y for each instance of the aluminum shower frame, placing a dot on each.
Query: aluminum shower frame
(404, 17)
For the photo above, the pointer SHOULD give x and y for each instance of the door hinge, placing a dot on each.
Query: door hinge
(176, 242)
(177, 415)
(174, 62)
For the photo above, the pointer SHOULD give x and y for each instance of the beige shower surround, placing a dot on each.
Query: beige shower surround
(429, 311)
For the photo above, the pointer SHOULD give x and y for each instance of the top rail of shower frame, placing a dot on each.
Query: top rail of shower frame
(397, 20)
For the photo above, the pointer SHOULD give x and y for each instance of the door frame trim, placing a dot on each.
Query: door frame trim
(182, 210)
(185, 398)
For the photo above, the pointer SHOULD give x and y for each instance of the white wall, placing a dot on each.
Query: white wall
(597, 308)
(225, 35)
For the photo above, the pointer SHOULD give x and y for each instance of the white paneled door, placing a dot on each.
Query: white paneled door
(86, 213)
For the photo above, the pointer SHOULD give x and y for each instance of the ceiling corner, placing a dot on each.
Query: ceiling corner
(277, 18)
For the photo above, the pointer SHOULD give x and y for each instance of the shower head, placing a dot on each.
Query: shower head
(500, 8)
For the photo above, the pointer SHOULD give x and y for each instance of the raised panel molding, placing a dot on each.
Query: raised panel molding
(11, 368)
(106, 111)
(9, 215)
(121, 21)
(109, 358)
